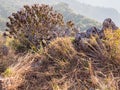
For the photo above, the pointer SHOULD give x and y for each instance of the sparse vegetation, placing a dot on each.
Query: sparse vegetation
(35, 26)
(64, 63)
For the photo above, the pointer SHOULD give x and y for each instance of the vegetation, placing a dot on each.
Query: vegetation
(34, 27)
(81, 21)
(64, 63)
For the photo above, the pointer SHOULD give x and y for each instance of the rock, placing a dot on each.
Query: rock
(79, 36)
(67, 32)
(109, 24)
(92, 31)
(101, 34)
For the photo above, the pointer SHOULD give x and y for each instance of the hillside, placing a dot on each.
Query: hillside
(80, 21)
(69, 14)
(41, 51)
(97, 13)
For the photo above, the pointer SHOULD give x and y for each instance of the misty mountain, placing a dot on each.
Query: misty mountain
(9, 6)
(80, 21)
(97, 13)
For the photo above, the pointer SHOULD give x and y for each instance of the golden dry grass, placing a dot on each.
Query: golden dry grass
(113, 41)
(62, 67)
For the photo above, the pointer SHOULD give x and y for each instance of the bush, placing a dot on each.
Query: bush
(107, 48)
(36, 24)
(6, 54)
(112, 41)
(61, 48)
(62, 67)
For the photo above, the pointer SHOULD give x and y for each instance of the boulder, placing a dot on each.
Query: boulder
(109, 24)
(79, 36)
(92, 32)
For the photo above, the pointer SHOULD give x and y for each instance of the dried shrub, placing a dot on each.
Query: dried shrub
(107, 48)
(61, 48)
(61, 67)
(92, 47)
(112, 41)
(35, 25)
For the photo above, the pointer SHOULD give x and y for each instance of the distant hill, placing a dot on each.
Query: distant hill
(9, 6)
(80, 21)
(97, 13)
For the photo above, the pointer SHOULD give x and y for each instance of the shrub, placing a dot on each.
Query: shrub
(61, 67)
(107, 48)
(92, 47)
(36, 24)
(112, 41)
(62, 52)
(62, 48)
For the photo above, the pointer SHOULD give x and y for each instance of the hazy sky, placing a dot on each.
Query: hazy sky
(105, 3)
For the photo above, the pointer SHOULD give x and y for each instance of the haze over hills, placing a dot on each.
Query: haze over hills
(81, 21)
(103, 3)
(95, 13)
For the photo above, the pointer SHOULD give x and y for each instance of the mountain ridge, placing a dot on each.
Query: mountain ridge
(7, 10)
(95, 12)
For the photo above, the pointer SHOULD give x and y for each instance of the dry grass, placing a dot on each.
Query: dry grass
(113, 41)
(63, 47)
(61, 67)
(61, 50)
(7, 56)
(15, 77)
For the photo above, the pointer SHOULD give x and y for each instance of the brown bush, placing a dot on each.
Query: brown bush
(61, 48)
(36, 25)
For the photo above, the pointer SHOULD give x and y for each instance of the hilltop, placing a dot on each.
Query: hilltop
(42, 51)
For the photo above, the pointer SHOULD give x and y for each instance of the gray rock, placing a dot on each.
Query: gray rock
(79, 36)
(109, 24)
(92, 31)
